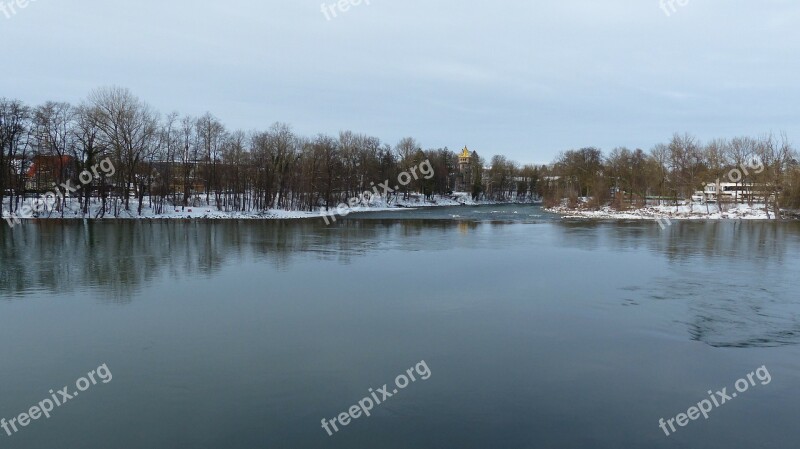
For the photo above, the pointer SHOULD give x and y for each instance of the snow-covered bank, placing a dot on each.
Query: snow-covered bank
(686, 212)
(202, 210)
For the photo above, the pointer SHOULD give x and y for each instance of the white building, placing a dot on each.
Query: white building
(730, 192)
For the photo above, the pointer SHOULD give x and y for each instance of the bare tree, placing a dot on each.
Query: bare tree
(741, 152)
(686, 164)
(54, 135)
(14, 124)
(660, 155)
(775, 157)
(87, 148)
(211, 133)
(716, 154)
(129, 127)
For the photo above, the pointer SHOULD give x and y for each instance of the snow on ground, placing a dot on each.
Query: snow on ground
(685, 212)
(206, 211)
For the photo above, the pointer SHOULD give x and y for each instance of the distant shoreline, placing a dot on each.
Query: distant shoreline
(208, 213)
(684, 212)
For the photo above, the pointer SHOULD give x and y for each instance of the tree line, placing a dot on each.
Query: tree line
(174, 161)
(766, 167)
(184, 161)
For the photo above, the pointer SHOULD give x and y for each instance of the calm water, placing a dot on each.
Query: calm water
(538, 332)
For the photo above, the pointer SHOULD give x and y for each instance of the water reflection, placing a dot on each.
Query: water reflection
(735, 281)
(738, 280)
(119, 257)
(687, 241)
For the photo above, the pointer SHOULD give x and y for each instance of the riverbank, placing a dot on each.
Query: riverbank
(200, 209)
(685, 212)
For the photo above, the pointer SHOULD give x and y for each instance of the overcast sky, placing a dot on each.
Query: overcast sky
(524, 78)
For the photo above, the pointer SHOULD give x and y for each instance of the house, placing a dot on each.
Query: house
(731, 192)
(45, 171)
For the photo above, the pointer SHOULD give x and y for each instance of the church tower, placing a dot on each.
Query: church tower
(465, 170)
(464, 160)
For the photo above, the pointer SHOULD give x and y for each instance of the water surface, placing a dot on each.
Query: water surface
(539, 332)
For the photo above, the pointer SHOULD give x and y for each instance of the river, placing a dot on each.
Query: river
(538, 332)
